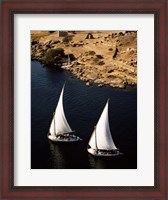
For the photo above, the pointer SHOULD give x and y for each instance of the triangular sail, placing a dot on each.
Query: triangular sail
(92, 141)
(59, 124)
(101, 137)
(52, 127)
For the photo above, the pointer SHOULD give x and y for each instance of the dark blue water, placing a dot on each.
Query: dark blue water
(83, 106)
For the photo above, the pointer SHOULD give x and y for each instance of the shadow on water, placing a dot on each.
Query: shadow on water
(82, 106)
(66, 156)
(115, 162)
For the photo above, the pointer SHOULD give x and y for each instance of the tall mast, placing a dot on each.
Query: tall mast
(69, 61)
(54, 123)
(96, 140)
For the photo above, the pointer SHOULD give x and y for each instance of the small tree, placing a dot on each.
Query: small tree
(67, 39)
(53, 55)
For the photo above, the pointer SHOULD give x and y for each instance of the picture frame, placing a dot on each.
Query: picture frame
(160, 188)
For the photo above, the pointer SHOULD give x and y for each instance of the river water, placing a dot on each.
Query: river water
(83, 106)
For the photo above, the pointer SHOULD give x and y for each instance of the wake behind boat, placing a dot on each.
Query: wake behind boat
(101, 142)
(60, 130)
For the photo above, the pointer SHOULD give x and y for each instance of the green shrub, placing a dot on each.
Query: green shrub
(59, 51)
(67, 39)
(52, 55)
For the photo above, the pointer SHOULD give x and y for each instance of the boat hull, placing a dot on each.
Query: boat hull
(102, 154)
(71, 138)
(66, 66)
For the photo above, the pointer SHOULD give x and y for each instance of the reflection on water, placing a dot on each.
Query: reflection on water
(67, 155)
(96, 162)
(57, 155)
(104, 162)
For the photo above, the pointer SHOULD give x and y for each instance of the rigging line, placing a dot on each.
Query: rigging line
(96, 140)
(54, 124)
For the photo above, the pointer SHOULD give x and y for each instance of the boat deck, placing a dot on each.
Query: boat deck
(70, 138)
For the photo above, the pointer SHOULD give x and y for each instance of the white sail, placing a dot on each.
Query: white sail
(52, 127)
(102, 139)
(59, 124)
(92, 141)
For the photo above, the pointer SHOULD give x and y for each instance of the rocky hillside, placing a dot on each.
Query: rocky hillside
(102, 57)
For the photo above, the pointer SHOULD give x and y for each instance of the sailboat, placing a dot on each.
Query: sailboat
(68, 65)
(101, 142)
(59, 130)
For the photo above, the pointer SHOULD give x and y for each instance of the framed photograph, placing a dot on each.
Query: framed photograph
(84, 87)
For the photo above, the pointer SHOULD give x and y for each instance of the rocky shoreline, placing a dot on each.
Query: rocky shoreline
(104, 57)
